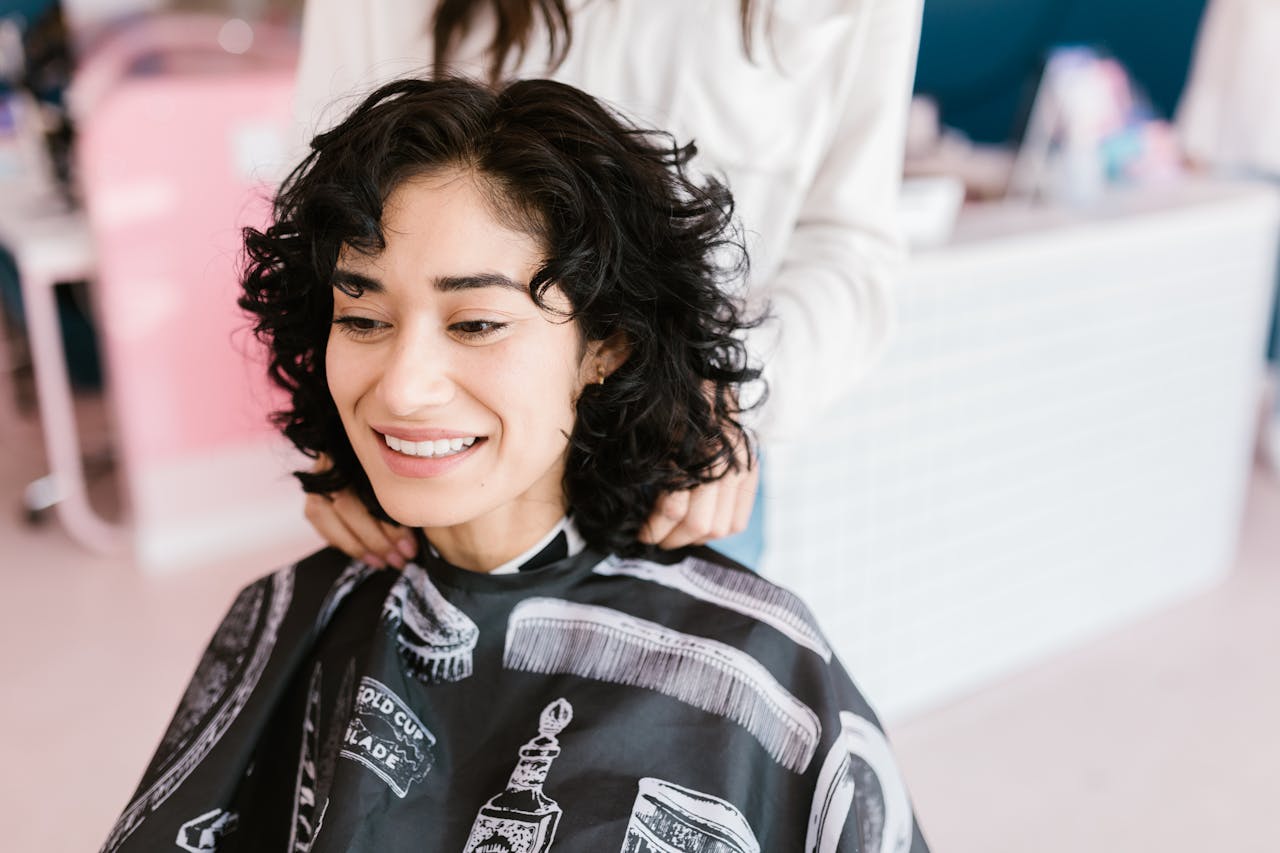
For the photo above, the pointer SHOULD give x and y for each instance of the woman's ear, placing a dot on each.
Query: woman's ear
(604, 357)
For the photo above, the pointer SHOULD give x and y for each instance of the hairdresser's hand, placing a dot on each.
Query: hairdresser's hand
(711, 511)
(342, 519)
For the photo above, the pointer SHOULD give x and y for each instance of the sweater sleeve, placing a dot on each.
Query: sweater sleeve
(831, 301)
(1229, 116)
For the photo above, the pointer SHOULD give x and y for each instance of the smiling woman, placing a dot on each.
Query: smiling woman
(538, 188)
(502, 316)
(456, 391)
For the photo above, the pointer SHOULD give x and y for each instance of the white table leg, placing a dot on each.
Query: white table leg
(58, 421)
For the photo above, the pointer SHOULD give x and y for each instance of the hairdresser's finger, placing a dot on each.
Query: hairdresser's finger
(746, 491)
(319, 511)
(343, 517)
(695, 527)
(379, 549)
(323, 463)
(727, 493)
(668, 511)
(403, 538)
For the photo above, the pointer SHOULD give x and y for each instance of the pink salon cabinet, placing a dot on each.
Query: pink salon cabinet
(174, 161)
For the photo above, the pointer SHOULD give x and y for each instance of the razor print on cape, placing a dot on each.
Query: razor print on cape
(550, 636)
(224, 680)
(436, 640)
(733, 589)
(667, 818)
(860, 771)
(386, 736)
(522, 819)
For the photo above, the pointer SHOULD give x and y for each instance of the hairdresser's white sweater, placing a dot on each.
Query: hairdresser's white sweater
(1230, 115)
(809, 135)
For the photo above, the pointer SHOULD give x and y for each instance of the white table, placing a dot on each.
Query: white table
(52, 244)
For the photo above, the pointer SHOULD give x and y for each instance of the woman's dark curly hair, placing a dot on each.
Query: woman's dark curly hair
(636, 245)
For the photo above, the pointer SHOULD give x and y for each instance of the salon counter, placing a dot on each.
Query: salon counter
(1057, 442)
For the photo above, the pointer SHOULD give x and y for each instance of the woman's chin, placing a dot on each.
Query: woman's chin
(412, 513)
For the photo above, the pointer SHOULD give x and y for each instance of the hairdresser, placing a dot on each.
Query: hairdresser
(1229, 122)
(799, 104)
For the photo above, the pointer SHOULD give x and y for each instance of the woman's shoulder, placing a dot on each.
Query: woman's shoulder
(318, 570)
(308, 590)
(725, 600)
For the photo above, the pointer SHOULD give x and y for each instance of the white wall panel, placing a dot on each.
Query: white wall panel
(1057, 441)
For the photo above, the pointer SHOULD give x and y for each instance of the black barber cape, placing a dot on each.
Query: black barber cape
(588, 703)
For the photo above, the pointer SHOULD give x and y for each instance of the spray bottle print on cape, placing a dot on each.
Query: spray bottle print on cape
(522, 819)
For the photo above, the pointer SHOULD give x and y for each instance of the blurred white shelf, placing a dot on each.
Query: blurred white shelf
(1057, 441)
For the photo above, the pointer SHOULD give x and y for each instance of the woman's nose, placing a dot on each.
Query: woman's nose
(417, 378)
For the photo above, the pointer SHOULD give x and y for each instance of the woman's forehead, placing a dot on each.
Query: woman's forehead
(505, 205)
(443, 227)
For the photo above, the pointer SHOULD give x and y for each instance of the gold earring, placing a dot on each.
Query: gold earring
(599, 374)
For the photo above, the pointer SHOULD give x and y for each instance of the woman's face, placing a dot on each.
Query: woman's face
(456, 391)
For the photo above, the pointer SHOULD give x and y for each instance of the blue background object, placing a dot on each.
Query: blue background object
(981, 58)
(27, 9)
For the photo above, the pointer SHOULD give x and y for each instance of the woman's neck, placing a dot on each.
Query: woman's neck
(484, 544)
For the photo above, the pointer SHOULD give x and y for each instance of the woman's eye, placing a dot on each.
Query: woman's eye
(477, 329)
(358, 327)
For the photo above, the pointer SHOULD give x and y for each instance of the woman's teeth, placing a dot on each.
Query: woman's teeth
(439, 447)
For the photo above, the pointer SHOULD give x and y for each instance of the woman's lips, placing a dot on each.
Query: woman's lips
(420, 433)
(420, 465)
(439, 447)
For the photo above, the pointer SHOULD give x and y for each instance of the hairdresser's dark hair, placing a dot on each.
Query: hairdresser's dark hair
(514, 27)
(637, 245)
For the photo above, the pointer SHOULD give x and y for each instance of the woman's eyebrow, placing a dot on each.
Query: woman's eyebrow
(449, 283)
(354, 284)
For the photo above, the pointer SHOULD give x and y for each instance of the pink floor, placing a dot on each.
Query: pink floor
(1162, 737)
